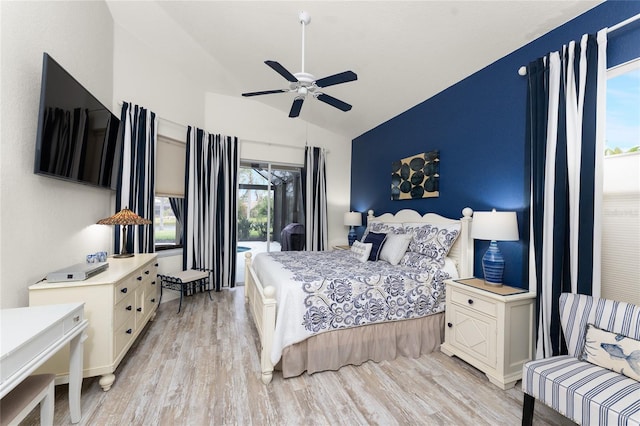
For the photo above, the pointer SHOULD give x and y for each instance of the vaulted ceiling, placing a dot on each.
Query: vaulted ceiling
(403, 52)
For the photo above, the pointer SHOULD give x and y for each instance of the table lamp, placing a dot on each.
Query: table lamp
(494, 226)
(352, 219)
(124, 218)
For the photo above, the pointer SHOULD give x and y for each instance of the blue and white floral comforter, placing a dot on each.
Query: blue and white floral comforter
(323, 291)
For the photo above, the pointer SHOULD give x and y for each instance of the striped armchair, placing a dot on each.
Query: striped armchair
(584, 392)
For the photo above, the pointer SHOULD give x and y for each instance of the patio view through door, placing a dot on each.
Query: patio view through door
(269, 200)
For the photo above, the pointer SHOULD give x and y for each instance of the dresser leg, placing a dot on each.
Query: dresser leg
(106, 381)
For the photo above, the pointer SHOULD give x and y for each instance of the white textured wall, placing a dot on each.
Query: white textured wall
(46, 224)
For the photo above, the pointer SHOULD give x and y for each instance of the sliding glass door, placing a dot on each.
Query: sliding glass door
(269, 201)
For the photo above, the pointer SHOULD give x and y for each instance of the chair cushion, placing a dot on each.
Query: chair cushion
(583, 392)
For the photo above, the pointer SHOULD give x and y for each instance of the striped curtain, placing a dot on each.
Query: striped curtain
(315, 198)
(136, 182)
(177, 205)
(565, 125)
(210, 211)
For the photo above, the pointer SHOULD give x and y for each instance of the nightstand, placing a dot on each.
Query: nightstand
(347, 247)
(490, 327)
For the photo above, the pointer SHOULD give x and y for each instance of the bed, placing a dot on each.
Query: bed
(303, 327)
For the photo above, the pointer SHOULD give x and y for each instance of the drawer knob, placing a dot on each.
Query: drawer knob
(128, 308)
(153, 283)
(139, 309)
(153, 300)
(139, 278)
(470, 301)
(129, 331)
(124, 290)
(449, 325)
(156, 265)
(76, 318)
(146, 272)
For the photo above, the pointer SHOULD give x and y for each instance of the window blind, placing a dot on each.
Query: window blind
(170, 160)
(621, 247)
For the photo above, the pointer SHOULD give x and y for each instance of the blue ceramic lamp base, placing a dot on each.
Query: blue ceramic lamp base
(352, 235)
(493, 265)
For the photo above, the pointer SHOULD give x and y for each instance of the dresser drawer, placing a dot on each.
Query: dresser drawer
(123, 310)
(124, 335)
(124, 288)
(147, 274)
(473, 302)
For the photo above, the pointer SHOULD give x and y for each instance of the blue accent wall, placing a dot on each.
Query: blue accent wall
(479, 127)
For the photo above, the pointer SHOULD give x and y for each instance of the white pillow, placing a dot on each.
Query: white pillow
(361, 251)
(395, 246)
(612, 351)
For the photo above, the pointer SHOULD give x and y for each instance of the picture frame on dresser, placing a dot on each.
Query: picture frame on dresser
(119, 303)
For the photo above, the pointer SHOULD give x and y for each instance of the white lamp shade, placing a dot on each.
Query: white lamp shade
(353, 219)
(495, 226)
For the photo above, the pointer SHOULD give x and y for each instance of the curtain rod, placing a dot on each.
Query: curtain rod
(523, 69)
(283, 145)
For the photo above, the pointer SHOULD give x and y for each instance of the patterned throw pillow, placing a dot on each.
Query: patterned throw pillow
(377, 240)
(395, 246)
(383, 228)
(431, 240)
(612, 351)
(361, 250)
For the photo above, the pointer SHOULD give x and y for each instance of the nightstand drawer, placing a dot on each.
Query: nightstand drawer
(473, 302)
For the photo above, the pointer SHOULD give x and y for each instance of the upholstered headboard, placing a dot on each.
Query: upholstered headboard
(462, 250)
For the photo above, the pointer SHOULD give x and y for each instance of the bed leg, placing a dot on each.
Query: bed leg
(266, 377)
(247, 275)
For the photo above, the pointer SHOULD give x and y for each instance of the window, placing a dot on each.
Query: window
(621, 186)
(170, 161)
(167, 228)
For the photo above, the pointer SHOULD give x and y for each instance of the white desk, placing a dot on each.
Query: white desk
(30, 336)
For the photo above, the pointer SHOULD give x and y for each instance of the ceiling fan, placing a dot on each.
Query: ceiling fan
(303, 84)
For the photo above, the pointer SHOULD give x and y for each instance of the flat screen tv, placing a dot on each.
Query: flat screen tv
(78, 138)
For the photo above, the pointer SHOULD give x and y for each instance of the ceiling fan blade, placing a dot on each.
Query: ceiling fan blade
(334, 102)
(265, 92)
(342, 77)
(282, 71)
(296, 107)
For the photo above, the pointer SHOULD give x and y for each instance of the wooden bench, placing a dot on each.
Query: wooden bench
(185, 281)
(34, 390)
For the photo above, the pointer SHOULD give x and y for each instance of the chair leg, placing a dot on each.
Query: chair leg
(527, 410)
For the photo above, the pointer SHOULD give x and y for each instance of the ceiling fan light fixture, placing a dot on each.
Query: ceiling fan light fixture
(303, 83)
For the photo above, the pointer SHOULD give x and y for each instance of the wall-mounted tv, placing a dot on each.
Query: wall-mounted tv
(78, 138)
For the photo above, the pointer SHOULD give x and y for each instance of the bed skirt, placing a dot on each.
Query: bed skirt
(354, 346)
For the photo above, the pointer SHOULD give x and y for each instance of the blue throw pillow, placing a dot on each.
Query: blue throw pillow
(377, 240)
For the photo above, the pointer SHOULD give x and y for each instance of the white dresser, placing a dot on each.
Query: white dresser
(491, 328)
(118, 304)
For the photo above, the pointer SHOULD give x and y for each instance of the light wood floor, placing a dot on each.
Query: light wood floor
(200, 367)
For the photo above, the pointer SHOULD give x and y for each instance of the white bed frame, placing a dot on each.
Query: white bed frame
(262, 302)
